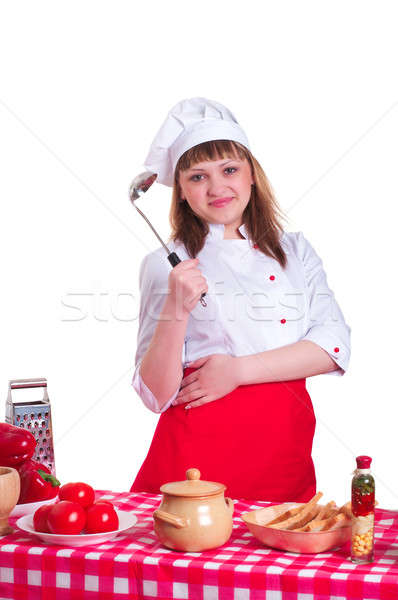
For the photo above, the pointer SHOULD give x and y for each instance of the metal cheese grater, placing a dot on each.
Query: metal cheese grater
(35, 417)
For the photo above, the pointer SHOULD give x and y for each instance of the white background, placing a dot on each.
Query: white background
(84, 88)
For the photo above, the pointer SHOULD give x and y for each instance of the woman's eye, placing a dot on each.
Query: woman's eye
(230, 169)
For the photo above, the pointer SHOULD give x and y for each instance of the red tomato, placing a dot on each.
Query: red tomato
(66, 517)
(101, 518)
(104, 502)
(77, 492)
(40, 518)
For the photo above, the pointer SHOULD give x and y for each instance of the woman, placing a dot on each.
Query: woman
(238, 364)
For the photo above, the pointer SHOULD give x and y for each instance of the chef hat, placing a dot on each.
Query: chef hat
(190, 122)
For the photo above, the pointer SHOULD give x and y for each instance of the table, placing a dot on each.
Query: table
(136, 566)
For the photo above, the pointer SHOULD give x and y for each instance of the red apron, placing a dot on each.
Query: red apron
(257, 440)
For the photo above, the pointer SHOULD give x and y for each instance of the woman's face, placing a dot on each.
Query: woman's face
(218, 191)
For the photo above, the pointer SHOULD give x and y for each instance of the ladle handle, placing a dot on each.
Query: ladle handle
(174, 260)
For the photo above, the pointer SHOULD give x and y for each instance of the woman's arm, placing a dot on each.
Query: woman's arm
(301, 359)
(219, 374)
(327, 326)
(157, 334)
(167, 299)
(161, 368)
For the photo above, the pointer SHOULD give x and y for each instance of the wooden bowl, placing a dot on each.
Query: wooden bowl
(9, 493)
(305, 542)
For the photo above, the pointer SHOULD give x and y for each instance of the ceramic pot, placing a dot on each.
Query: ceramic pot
(9, 494)
(194, 515)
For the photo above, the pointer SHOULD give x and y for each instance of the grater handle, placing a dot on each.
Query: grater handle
(33, 382)
(15, 384)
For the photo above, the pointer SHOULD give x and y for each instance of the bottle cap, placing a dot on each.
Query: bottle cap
(363, 462)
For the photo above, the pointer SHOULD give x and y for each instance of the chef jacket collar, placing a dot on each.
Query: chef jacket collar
(216, 233)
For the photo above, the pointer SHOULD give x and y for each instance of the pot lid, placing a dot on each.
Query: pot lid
(192, 486)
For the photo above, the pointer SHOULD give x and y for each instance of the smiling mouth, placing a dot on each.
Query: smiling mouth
(220, 202)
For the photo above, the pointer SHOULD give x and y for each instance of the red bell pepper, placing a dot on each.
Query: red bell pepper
(16, 445)
(37, 483)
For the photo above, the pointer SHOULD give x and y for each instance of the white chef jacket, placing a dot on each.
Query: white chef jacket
(253, 304)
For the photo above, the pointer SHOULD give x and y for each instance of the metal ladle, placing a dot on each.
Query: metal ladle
(138, 187)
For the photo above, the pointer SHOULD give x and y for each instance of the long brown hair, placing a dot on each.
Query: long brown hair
(261, 216)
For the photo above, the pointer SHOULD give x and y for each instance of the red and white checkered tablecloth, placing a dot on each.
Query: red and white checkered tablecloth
(136, 566)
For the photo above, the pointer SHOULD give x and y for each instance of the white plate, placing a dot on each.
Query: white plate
(30, 507)
(126, 520)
